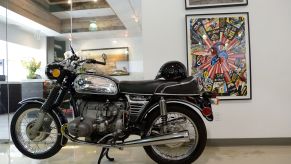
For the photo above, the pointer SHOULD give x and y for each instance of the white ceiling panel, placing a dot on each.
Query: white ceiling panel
(84, 13)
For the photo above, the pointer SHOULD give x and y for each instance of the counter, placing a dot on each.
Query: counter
(17, 92)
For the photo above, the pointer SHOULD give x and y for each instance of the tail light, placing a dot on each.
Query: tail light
(206, 111)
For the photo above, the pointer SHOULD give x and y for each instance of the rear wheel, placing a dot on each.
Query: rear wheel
(179, 119)
(48, 140)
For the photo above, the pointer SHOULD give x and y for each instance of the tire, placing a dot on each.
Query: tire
(201, 130)
(60, 140)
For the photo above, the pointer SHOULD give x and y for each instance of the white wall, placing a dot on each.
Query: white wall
(268, 114)
(20, 36)
(135, 52)
(22, 45)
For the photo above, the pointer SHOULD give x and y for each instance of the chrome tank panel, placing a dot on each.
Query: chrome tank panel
(94, 84)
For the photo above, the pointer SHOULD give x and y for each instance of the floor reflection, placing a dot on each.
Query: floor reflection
(75, 154)
(83, 154)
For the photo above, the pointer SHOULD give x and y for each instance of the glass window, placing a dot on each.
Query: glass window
(40, 31)
(4, 132)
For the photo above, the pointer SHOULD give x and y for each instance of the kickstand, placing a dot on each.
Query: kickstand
(104, 152)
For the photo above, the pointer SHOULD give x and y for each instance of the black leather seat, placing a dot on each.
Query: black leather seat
(185, 86)
(140, 87)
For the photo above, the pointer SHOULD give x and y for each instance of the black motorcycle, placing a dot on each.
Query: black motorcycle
(166, 113)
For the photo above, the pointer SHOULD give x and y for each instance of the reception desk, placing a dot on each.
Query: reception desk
(13, 92)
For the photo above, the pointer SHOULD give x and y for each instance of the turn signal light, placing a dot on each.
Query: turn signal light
(56, 73)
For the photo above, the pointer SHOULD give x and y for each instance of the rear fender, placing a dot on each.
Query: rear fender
(185, 103)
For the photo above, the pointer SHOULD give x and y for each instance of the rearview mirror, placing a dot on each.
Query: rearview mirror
(104, 56)
(68, 54)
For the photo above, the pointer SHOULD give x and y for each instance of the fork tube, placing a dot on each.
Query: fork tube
(45, 108)
(61, 96)
(51, 99)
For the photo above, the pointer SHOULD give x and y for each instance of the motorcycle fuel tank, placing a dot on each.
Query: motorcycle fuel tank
(94, 84)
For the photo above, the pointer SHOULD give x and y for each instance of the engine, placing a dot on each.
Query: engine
(97, 118)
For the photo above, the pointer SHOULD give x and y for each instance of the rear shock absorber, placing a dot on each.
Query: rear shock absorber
(163, 111)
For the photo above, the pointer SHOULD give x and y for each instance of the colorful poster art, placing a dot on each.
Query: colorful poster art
(219, 53)
(192, 4)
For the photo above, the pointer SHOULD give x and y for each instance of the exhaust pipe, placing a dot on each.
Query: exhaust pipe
(182, 136)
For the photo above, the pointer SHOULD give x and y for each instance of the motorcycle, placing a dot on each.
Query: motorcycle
(167, 113)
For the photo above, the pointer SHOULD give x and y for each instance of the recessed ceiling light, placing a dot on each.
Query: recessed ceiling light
(69, 1)
(93, 26)
(114, 41)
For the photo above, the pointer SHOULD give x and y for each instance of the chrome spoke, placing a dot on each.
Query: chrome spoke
(45, 138)
(175, 151)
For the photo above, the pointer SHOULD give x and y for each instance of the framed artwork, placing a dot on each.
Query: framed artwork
(218, 49)
(194, 4)
(117, 63)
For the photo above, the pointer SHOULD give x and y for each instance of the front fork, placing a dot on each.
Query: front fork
(54, 99)
(163, 112)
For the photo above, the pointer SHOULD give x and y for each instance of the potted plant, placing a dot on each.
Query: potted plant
(32, 66)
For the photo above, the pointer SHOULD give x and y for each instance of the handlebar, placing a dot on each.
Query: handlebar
(92, 61)
(75, 62)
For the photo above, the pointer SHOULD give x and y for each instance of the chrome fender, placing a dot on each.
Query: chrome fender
(185, 103)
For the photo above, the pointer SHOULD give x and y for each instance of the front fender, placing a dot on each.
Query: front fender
(39, 100)
(188, 104)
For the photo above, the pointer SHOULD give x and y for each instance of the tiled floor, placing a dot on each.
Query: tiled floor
(82, 154)
(4, 126)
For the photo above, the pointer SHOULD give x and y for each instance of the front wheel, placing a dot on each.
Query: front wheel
(180, 118)
(47, 141)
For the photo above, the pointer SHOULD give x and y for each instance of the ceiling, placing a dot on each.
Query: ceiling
(113, 18)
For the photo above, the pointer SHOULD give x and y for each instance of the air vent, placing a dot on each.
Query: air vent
(136, 104)
(136, 107)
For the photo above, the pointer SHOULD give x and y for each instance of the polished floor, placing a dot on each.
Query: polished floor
(81, 154)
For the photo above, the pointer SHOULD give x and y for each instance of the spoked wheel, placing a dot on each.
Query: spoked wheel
(46, 142)
(179, 119)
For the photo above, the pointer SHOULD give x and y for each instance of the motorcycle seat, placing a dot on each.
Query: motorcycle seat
(150, 87)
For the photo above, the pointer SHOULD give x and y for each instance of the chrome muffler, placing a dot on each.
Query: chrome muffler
(178, 137)
(182, 136)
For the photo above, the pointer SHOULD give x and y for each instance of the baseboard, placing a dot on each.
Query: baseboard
(249, 142)
(4, 141)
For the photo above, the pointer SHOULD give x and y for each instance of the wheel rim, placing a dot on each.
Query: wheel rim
(46, 137)
(176, 151)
